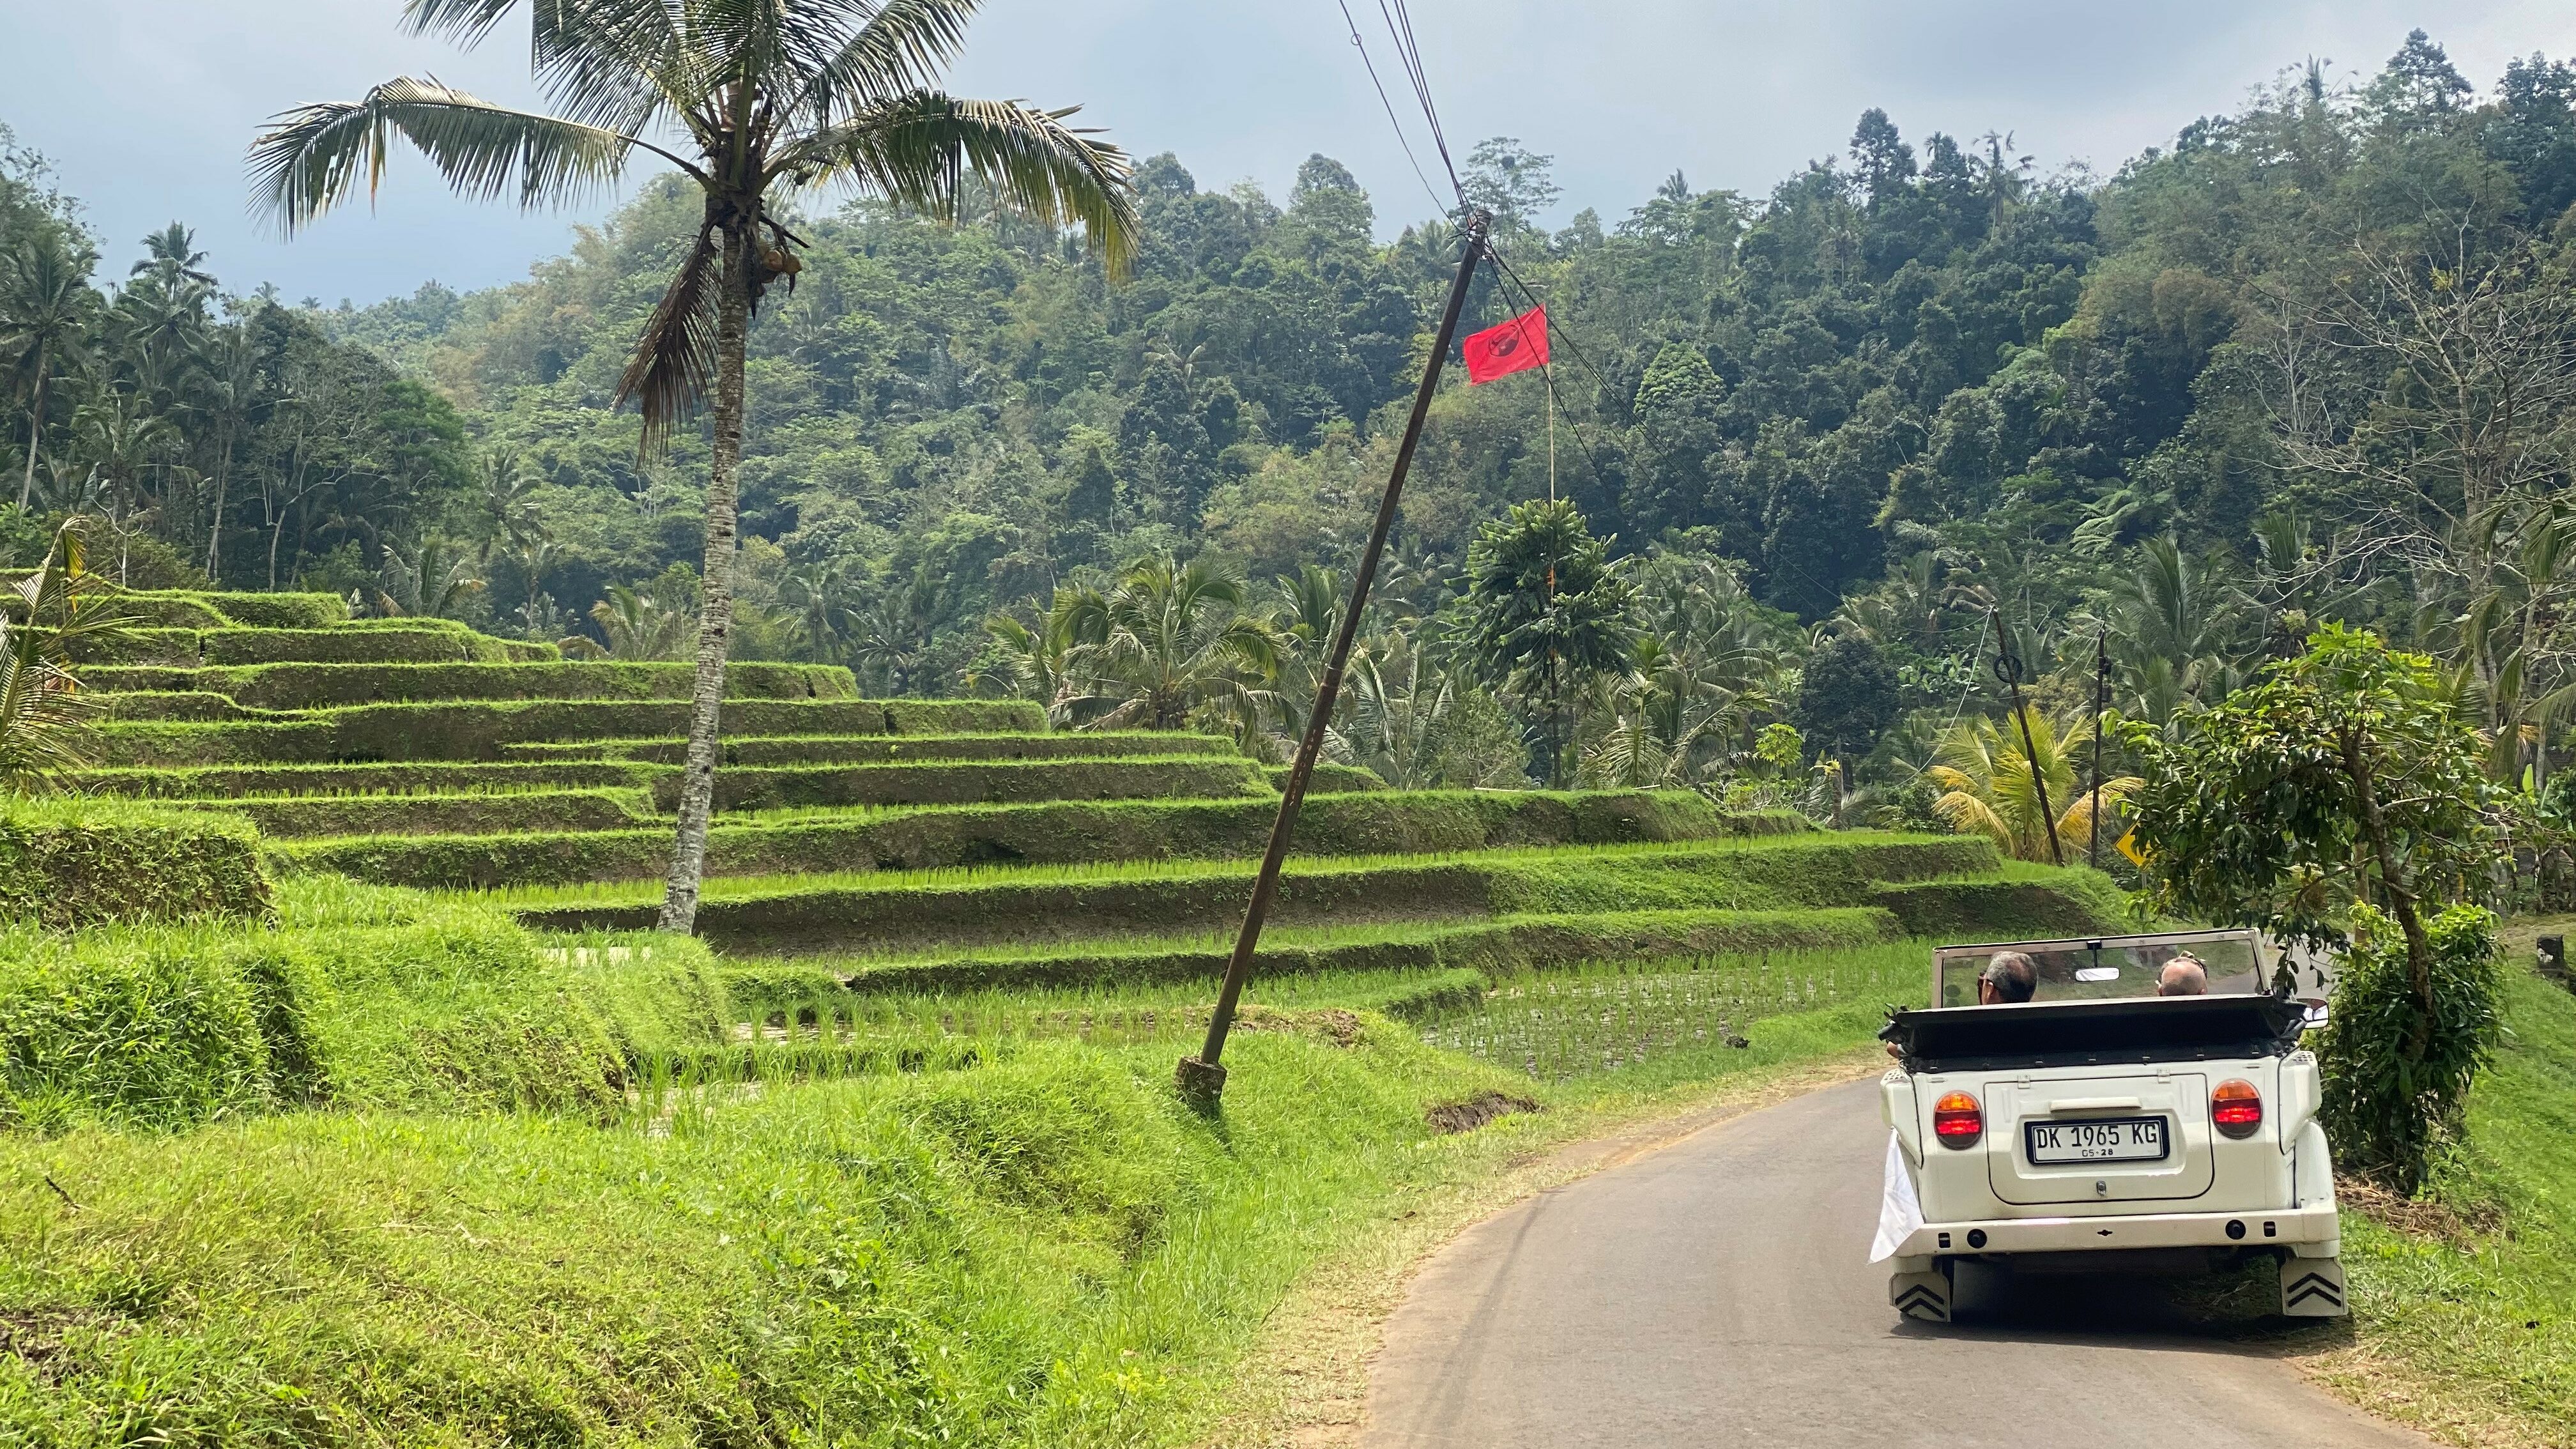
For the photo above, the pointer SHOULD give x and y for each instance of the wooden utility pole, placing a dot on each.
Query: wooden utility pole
(1201, 1077)
(2008, 668)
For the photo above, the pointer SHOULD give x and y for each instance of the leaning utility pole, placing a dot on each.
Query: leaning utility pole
(1200, 1077)
(2008, 668)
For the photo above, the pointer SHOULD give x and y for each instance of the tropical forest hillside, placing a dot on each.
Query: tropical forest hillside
(2314, 358)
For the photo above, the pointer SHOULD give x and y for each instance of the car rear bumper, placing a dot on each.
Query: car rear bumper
(2314, 1230)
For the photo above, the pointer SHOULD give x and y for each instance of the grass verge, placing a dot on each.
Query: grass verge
(2464, 1303)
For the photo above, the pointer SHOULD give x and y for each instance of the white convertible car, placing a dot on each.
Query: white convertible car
(2078, 1120)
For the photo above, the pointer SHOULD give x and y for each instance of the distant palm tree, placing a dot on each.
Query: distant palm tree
(1030, 662)
(46, 308)
(1166, 643)
(652, 624)
(760, 101)
(1987, 789)
(171, 257)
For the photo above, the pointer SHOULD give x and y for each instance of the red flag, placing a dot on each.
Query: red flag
(1512, 347)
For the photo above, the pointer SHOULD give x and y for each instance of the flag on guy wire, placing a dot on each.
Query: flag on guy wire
(1512, 347)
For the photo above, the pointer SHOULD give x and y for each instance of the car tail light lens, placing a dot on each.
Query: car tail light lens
(1957, 1120)
(2236, 1108)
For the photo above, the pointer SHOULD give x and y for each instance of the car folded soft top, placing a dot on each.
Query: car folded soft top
(2094, 1033)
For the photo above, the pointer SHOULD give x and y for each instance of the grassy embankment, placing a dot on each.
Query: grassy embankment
(2465, 1302)
(447, 1221)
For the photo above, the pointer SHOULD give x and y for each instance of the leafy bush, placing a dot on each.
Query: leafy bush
(2396, 1082)
(79, 863)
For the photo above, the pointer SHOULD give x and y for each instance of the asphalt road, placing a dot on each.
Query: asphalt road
(1718, 1292)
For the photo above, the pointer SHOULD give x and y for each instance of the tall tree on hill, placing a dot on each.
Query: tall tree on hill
(758, 101)
(46, 308)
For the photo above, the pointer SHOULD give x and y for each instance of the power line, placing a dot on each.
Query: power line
(1384, 100)
(1408, 54)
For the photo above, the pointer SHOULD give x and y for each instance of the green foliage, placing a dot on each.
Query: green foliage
(481, 729)
(1060, 832)
(2397, 1080)
(2463, 1295)
(351, 999)
(2343, 774)
(155, 1029)
(974, 782)
(78, 863)
(1546, 612)
(323, 685)
(888, 911)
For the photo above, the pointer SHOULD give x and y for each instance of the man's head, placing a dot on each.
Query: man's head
(2184, 975)
(2009, 978)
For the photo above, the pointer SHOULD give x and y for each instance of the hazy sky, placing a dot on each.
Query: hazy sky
(146, 105)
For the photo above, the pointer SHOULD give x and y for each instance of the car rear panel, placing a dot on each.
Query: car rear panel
(2177, 1100)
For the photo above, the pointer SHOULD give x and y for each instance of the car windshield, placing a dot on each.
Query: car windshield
(2108, 967)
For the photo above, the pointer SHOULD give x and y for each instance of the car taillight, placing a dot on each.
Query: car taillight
(2236, 1108)
(1958, 1121)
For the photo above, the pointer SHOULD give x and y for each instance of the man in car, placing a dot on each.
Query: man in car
(2008, 980)
(2184, 975)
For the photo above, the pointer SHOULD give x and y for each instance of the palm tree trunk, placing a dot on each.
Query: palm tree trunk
(215, 524)
(35, 426)
(715, 622)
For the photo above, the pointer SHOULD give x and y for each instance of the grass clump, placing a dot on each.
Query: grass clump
(81, 862)
(353, 998)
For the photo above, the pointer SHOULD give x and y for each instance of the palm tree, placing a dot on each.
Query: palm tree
(1168, 642)
(1400, 707)
(652, 624)
(432, 581)
(819, 616)
(1985, 781)
(172, 258)
(1027, 662)
(46, 307)
(758, 102)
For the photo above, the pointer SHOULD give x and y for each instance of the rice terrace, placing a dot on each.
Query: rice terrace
(944, 786)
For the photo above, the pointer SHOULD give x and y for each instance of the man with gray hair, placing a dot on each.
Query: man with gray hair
(2184, 975)
(2009, 979)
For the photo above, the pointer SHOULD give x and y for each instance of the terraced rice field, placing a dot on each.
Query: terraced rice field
(900, 883)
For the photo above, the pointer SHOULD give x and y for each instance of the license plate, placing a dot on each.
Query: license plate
(2096, 1139)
